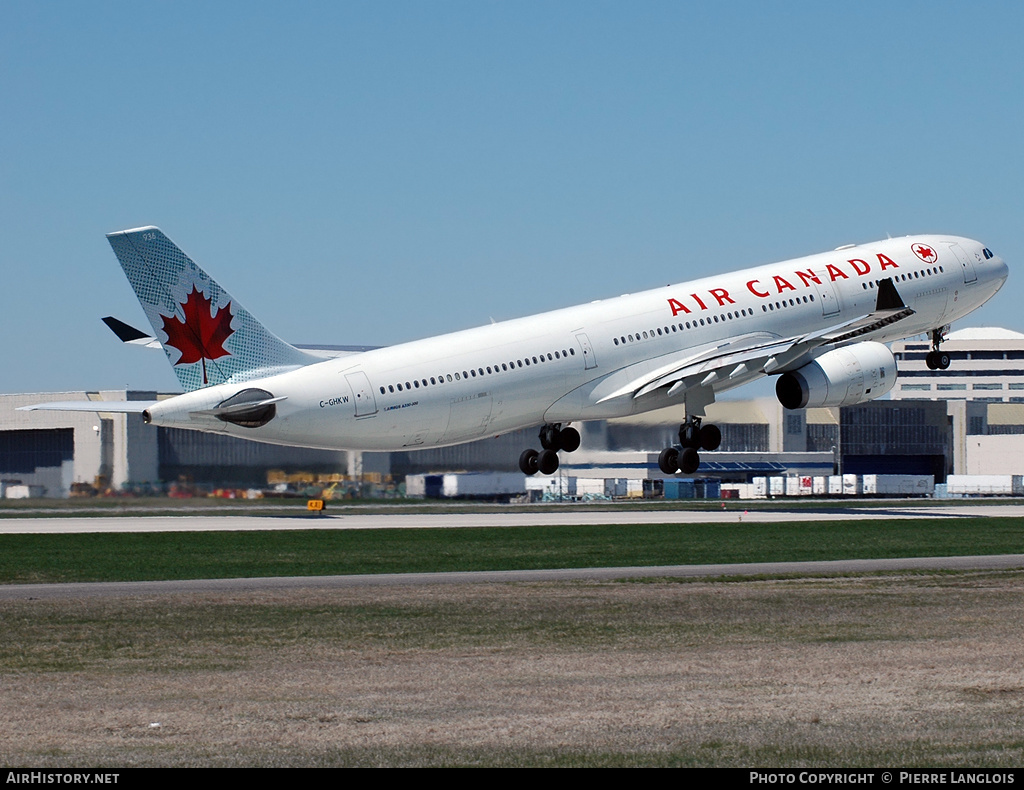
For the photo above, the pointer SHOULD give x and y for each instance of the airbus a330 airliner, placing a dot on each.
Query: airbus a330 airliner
(817, 323)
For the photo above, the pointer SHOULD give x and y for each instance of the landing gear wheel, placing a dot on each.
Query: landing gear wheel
(569, 438)
(668, 460)
(710, 437)
(549, 437)
(528, 462)
(547, 462)
(936, 359)
(689, 460)
(689, 434)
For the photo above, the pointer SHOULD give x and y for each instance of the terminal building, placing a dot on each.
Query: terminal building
(987, 367)
(965, 420)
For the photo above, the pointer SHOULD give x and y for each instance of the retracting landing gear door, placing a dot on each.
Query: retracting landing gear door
(362, 392)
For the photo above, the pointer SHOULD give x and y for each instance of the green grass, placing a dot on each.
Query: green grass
(196, 555)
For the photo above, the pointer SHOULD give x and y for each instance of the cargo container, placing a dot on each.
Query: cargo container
(554, 485)
(835, 485)
(851, 485)
(23, 492)
(898, 485)
(616, 487)
(653, 489)
(591, 486)
(686, 488)
(677, 488)
(985, 485)
(416, 486)
(467, 485)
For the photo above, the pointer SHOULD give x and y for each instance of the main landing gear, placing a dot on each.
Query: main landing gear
(692, 437)
(553, 437)
(937, 359)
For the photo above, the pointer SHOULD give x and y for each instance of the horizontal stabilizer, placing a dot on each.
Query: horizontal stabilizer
(333, 352)
(129, 334)
(114, 406)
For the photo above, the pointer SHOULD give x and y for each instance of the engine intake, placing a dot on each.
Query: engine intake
(841, 377)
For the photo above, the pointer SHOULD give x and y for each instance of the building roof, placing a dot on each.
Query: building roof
(984, 333)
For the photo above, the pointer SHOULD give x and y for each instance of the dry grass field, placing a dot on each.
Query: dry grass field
(889, 670)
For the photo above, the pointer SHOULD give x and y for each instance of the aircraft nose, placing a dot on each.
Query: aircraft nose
(1002, 270)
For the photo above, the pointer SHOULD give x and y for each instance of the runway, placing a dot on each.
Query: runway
(732, 514)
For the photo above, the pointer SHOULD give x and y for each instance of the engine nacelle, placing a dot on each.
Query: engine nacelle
(842, 377)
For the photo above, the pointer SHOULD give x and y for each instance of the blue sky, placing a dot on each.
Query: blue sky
(374, 172)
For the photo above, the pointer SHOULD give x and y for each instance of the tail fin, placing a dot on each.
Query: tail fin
(209, 338)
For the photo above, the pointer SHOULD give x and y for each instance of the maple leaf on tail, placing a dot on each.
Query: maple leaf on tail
(202, 334)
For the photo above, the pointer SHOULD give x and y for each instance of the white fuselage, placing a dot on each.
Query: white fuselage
(561, 366)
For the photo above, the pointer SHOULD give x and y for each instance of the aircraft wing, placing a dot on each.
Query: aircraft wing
(889, 308)
(761, 353)
(130, 335)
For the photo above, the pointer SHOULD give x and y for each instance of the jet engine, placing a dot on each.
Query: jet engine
(841, 377)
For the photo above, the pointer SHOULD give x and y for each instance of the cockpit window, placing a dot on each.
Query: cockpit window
(988, 253)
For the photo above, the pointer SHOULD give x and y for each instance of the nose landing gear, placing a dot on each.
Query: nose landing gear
(553, 438)
(937, 359)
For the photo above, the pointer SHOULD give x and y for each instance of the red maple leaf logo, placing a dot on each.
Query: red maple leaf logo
(925, 253)
(202, 334)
